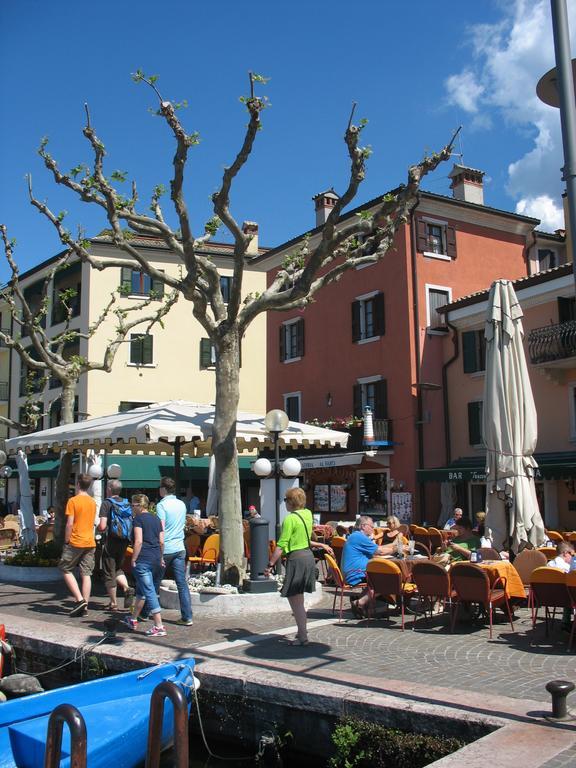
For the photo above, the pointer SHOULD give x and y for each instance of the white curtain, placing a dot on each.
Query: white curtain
(94, 459)
(29, 536)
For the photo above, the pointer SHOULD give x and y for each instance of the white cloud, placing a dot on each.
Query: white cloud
(543, 208)
(509, 58)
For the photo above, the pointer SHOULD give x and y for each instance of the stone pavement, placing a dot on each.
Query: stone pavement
(464, 672)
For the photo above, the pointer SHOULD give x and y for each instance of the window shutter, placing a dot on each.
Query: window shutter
(136, 349)
(451, 242)
(300, 337)
(147, 349)
(355, 321)
(566, 309)
(205, 353)
(357, 400)
(421, 235)
(158, 286)
(379, 316)
(469, 351)
(475, 423)
(282, 342)
(437, 299)
(126, 279)
(381, 399)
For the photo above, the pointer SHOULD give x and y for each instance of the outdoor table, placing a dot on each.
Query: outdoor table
(496, 568)
(404, 563)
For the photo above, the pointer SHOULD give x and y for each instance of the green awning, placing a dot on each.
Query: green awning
(146, 471)
(44, 468)
(550, 465)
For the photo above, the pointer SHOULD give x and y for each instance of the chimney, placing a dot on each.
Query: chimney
(251, 228)
(467, 184)
(323, 204)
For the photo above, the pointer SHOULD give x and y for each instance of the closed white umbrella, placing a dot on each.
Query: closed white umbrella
(29, 536)
(510, 427)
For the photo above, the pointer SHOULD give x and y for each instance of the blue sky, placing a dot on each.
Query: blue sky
(417, 70)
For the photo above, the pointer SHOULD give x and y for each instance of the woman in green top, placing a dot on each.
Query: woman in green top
(300, 573)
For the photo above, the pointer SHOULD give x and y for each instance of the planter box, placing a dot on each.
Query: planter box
(18, 574)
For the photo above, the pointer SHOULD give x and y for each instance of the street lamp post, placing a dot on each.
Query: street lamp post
(276, 421)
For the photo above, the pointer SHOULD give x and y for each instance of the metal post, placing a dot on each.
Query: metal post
(565, 85)
(177, 460)
(277, 481)
(163, 691)
(66, 713)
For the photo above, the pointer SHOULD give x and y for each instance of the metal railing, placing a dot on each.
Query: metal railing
(552, 342)
(382, 433)
(163, 691)
(68, 714)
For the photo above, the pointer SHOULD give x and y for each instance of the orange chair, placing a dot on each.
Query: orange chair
(555, 537)
(570, 536)
(489, 553)
(385, 578)
(525, 563)
(7, 539)
(337, 545)
(436, 538)
(549, 552)
(550, 591)
(340, 583)
(571, 587)
(210, 552)
(433, 584)
(421, 536)
(192, 543)
(472, 585)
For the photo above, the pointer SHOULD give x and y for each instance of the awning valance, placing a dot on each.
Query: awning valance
(550, 465)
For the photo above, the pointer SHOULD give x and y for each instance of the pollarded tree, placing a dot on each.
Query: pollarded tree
(339, 248)
(46, 356)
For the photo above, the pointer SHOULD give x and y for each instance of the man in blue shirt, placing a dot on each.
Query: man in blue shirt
(358, 550)
(172, 513)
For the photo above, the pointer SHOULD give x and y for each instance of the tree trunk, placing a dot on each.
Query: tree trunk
(65, 469)
(226, 458)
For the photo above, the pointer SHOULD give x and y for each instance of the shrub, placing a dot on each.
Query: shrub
(360, 744)
(43, 556)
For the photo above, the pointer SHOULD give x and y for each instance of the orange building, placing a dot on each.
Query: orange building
(376, 338)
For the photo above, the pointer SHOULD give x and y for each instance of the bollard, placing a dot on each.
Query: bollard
(259, 556)
(559, 690)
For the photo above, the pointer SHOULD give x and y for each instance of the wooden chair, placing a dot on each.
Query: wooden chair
(210, 553)
(549, 552)
(405, 530)
(489, 553)
(12, 525)
(525, 563)
(570, 536)
(571, 587)
(46, 533)
(422, 549)
(340, 583)
(472, 585)
(421, 536)
(555, 536)
(337, 545)
(385, 578)
(436, 539)
(12, 519)
(432, 584)
(7, 538)
(550, 591)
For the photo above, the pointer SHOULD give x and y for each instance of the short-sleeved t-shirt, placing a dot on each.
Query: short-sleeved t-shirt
(295, 533)
(358, 550)
(83, 507)
(172, 512)
(151, 530)
(472, 542)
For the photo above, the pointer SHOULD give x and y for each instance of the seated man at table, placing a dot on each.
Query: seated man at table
(358, 550)
(563, 559)
(454, 520)
(461, 546)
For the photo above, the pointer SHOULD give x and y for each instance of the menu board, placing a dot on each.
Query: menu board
(322, 498)
(402, 506)
(330, 498)
(338, 499)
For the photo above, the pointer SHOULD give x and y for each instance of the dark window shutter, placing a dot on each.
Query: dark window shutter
(147, 350)
(282, 342)
(566, 309)
(421, 235)
(379, 316)
(357, 400)
(158, 286)
(126, 279)
(475, 423)
(300, 337)
(136, 349)
(451, 242)
(469, 351)
(205, 353)
(380, 399)
(355, 321)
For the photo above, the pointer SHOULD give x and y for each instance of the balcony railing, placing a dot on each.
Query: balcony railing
(3, 390)
(552, 342)
(382, 434)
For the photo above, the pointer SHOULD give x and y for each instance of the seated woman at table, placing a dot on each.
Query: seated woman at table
(393, 524)
(461, 546)
(480, 518)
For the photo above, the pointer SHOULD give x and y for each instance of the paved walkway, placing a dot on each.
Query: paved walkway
(483, 678)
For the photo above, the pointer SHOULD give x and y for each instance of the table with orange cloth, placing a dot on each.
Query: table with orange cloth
(496, 568)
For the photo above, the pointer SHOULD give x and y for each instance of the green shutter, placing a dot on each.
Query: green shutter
(379, 316)
(158, 286)
(469, 351)
(126, 280)
(147, 349)
(357, 400)
(421, 235)
(381, 399)
(451, 242)
(205, 353)
(282, 342)
(355, 321)
(300, 337)
(136, 349)
(475, 423)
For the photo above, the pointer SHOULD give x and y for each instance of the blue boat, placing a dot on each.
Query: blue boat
(116, 712)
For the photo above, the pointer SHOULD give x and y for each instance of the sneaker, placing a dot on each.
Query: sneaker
(79, 608)
(185, 622)
(129, 598)
(130, 622)
(156, 631)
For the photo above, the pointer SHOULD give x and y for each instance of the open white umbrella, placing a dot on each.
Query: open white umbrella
(510, 426)
(29, 536)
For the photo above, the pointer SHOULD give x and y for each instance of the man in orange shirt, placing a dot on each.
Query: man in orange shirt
(79, 544)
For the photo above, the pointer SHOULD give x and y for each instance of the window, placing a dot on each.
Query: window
(547, 259)
(32, 380)
(207, 354)
(368, 317)
(67, 293)
(474, 351)
(475, 422)
(436, 238)
(371, 392)
(566, 309)
(55, 414)
(436, 297)
(133, 282)
(70, 349)
(226, 287)
(292, 403)
(126, 405)
(292, 340)
(141, 349)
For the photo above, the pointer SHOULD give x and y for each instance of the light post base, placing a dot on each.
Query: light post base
(259, 586)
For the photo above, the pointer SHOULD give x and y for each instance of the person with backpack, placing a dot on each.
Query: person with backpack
(116, 522)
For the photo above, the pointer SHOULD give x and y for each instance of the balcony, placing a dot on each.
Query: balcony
(382, 434)
(553, 344)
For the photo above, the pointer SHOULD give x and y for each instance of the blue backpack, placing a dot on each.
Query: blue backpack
(120, 518)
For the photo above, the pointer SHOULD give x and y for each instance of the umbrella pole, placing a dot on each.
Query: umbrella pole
(177, 459)
(507, 508)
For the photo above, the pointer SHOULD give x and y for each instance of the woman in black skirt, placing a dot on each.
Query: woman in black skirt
(300, 573)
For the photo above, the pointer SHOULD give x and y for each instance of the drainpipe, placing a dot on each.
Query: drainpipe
(445, 398)
(416, 320)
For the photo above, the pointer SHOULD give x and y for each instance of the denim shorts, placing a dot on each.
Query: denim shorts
(146, 576)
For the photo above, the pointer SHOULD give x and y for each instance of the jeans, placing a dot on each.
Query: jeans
(147, 575)
(178, 562)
